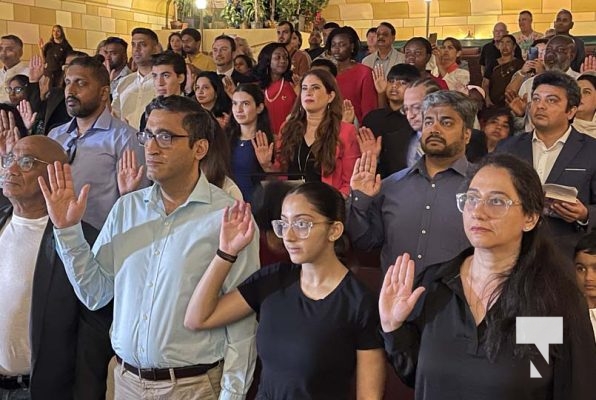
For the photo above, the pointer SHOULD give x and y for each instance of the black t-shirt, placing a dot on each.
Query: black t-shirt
(308, 347)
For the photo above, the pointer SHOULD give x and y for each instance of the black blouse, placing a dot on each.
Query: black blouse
(440, 351)
(303, 165)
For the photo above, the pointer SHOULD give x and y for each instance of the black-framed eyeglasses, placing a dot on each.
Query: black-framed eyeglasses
(25, 162)
(16, 90)
(163, 139)
(301, 228)
(494, 206)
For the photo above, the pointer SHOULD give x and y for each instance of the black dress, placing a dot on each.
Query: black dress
(440, 351)
(308, 347)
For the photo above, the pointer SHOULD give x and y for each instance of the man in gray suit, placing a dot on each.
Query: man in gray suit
(561, 155)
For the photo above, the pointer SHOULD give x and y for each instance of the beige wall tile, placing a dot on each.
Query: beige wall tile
(583, 28)
(355, 11)
(452, 8)
(331, 13)
(554, 6)
(92, 10)
(485, 7)
(404, 33)
(514, 6)
(585, 17)
(145, 5)
(93, 38)
(583, 5)
(121, 27)
(108, 24)
(3, 29)
(7, 11)
(74, 7)
(104, 12)
(483, 31)
(410, 22)
(21, 13)
(28, 33)
(369, 1)
(122, 15)
(397, 23)
(390, 10)
(21, 2)
(418, 8)
(510, 20)
(442, 21)
(482, 19)
(359, 24)
(52, 4)
(121, 3)
(91, 22)
(64, 18)
(547, 17)
(337, 2)
(43, 16)
(140, 17)
(77, 20)
(458, 32)
(77, 38)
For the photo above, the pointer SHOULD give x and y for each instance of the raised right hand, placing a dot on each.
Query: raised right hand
(364, 178)
(263, 150)
(397, 300)
(237, 228)
(27, 113)
(35, 68)
(64, 207)
(9, 133)
(379, 79)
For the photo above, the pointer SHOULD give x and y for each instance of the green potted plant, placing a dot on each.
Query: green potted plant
(232, 13)
(254, 12)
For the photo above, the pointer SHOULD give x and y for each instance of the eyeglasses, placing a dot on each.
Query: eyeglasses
(25, 163)
(163, 139)
(494, 206)
(17, 90)
(415, 109)
(300, 227)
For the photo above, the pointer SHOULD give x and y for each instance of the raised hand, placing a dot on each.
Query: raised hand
(35, 68)
(263, 150)
(348, 113)
(364, 178)
(190, 81)
(368, 143)
(130, 173)
(64, 207)
(589, 64)
(44, 87)
(27, 113)
(379, 79)
(229, 86)
(41, 43)
(237, 228)
(9, 133)
(397, 300)
(223, 120)
(516, 103)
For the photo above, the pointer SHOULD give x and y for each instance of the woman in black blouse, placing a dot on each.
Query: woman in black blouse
(318, 325)
(454, 337)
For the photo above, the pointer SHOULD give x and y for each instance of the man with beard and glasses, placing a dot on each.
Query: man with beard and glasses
(94, 139)
(414, 210)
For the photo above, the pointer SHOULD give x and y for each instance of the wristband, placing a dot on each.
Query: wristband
(226, 257)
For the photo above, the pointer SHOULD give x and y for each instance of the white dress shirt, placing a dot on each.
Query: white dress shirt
(544, 158)
(131, 96)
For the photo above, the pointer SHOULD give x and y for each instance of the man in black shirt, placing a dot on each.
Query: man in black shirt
(490, 52)
(563, 24)
(390, 123)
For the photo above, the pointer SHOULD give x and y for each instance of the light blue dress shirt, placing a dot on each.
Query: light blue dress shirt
(150, 263)
(96, 161)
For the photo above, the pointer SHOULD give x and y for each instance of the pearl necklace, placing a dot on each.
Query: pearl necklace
(278, 92)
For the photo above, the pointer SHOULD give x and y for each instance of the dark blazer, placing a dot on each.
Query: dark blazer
(52, 110)
(575, 166)
(70, 347)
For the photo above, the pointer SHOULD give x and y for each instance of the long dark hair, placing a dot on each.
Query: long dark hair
(541, 282)
(327, 134)
(223, 104)
(64, 40)
(216, 163)
(263, 124)
(263, 69)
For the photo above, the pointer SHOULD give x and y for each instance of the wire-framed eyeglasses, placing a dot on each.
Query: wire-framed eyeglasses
(25, 162)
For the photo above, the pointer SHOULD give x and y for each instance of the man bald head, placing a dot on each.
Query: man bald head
(499, 30)
(559, 52)
(26, 162)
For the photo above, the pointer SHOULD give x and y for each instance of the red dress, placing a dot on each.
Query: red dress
(356, 84)
(279, 100)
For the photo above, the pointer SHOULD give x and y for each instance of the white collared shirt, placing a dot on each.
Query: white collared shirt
(544, 158)
(227, 73)
(6, 75)
(394, 57)
(131, 96)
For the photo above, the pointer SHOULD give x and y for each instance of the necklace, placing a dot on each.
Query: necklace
(303, 170)
(278, 92)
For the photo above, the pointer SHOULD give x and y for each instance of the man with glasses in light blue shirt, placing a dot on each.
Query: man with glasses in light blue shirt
(93, 139)
(152, 251)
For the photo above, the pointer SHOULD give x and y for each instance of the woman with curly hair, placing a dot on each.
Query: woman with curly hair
(274, 72)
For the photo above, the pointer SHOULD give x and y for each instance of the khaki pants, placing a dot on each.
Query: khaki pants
(129, 386)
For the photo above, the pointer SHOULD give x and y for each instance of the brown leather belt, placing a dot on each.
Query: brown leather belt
(162, 374)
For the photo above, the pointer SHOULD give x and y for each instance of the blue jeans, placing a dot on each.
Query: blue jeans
(16, 394)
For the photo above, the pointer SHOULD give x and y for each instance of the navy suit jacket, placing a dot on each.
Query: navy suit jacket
(70, 345)
(575, 166)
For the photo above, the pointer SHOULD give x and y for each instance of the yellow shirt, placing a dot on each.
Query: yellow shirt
(202, 62)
